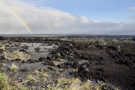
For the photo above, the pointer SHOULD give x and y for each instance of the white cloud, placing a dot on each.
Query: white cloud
(52, 21)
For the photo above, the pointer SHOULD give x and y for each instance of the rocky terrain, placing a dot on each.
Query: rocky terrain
(67, 63)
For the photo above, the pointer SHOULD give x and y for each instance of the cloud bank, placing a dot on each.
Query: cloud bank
(44, 20)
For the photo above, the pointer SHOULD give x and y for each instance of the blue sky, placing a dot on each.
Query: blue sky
(111, 17)
(97, 9)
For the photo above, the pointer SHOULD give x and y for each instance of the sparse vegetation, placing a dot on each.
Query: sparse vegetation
(3, 47)
(76, 84)
(5, 84)
(67, 65)
(41, 75)
(17, 55)
(13, 68)
(63, 84)
(14, 55)
(31, 78)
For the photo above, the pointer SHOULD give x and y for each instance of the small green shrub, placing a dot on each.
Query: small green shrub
(13, 67)
(30, 78)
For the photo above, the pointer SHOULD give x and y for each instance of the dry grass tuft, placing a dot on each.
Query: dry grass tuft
(5, 84)
(76, 84)
(17, 55)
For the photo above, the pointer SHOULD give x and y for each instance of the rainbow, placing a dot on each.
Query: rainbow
(13, 12)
